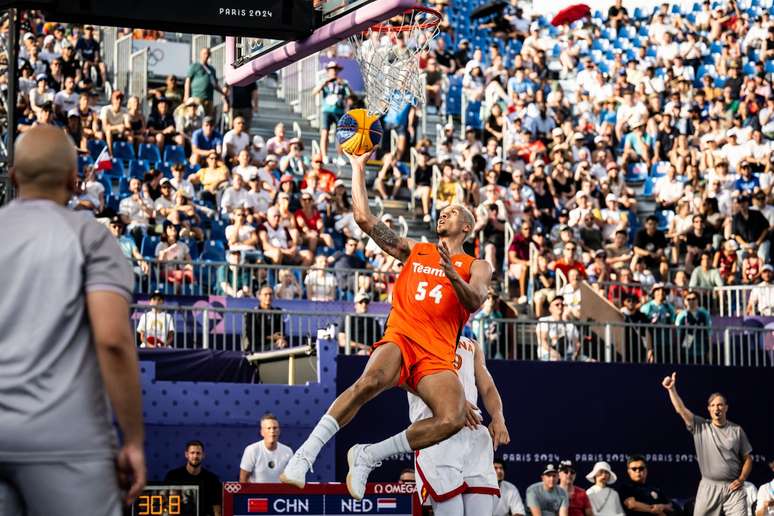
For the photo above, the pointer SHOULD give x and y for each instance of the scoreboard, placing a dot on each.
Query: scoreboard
(166, 500)
(318, 499)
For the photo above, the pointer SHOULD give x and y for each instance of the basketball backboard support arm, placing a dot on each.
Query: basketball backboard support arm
(242, 71)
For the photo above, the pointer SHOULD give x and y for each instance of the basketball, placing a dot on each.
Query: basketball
(358, 132)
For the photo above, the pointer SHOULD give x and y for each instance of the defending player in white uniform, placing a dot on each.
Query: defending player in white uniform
(457, 475)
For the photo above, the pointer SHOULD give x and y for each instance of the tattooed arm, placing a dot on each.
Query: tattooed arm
(390, 242)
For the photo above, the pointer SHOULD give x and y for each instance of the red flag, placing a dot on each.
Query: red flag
(103, 161)
(257, 505)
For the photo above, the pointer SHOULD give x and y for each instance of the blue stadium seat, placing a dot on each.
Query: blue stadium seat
(112, 202)
(664, 218)
(716, 47)
(639, 14)
(214, 251)
(193, 247)
(748, 68)
(138, 168)
(636, 173)
(720, 82)
(117, 169)
(123, 187)
(95, 147)
(218, 230)
(473, 115)
(769, 67)
(123, 150)
(659, 169)
(166, 168)
(174, 154)
(148, 247)
(647, 189)
(107, 184)
(149, 152)
(84, 161)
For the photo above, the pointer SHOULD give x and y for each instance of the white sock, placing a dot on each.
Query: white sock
(394, 445)
(322, 433)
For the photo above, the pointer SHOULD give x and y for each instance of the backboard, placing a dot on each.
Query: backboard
(250, 58)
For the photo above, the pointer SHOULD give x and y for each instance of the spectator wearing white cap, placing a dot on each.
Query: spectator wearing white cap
(41, 94)
(48, 52)
(604, 500)
(613, 219)
(547, 498)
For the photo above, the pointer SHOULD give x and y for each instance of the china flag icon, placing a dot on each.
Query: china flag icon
(257, 505)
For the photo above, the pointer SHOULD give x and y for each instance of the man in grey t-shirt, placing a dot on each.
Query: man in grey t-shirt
(723, 454)
(66, 350)
(546, 498)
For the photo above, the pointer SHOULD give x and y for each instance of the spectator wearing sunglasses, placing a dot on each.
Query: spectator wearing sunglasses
(640, 497)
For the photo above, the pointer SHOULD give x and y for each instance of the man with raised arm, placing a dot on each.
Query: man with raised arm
(723, 454)
(435, 293)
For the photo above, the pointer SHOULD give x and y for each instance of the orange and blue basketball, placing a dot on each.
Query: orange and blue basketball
(358, 132)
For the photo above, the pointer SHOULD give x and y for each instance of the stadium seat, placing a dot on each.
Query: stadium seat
(83, 162)
(473, 115)
(117, 168)
(647, 189)
(112, 202)
(214, 251)
(769, 67)
(138, 168)
(659, 169)
(105, 181)
(148, 247)
(166, 168)
(193, 247)
(218, 231)
(149, 152)
(123, 150)
(636, 173)
(720, 82)
(748, 68)
(664, 219)
(95, 147)
(174, 154)
(123, 187)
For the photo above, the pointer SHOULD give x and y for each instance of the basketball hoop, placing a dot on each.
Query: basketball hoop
(387, 53)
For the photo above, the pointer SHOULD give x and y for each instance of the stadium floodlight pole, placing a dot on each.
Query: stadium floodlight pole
(13, 58)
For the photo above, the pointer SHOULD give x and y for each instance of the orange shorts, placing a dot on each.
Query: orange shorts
(417, 361)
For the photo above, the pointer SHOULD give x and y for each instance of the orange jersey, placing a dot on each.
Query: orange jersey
(425, 307)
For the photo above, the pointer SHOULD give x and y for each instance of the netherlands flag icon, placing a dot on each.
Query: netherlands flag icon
(257, 505)
(386, 503)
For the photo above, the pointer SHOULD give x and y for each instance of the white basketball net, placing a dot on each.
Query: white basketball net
(388, 58)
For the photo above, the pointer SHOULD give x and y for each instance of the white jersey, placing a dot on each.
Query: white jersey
(463, 462)
(464, 362)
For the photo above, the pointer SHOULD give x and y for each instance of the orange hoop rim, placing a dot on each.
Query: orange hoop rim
(383, 27)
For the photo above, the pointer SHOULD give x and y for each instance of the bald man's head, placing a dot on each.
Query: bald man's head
(45, 159)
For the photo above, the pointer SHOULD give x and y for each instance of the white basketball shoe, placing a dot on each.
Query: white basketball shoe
(295, 472)
(360, 466)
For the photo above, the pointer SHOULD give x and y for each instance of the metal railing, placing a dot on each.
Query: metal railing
(726, 301)
(205, 278)
(547, 340)
(198, 42)
(413, 158)
(296, 83)
(122, 51)
(108, 36)
(138, 76)
(250, 330)
(253, 330)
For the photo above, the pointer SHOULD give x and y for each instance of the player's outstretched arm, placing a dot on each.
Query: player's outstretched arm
(491, 398)
(670, 384)
(390, 242)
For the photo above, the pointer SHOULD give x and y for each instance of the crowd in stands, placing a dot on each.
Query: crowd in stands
(629, 150)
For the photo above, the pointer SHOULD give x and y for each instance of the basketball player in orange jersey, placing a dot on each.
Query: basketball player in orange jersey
(435, 293)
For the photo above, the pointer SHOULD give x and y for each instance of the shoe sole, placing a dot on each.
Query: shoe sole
(289, 481)
(350, 461)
